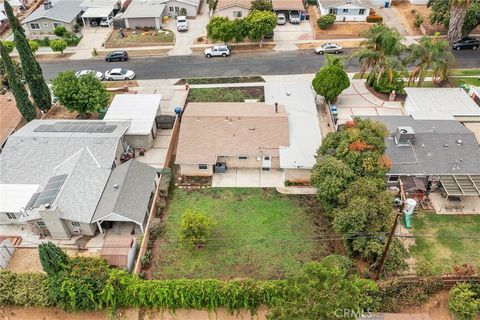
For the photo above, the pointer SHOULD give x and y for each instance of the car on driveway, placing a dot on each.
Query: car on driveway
(106, 22)
(218, 51)
(119, 74)
(281, 19)
(97, 74)
(466, 43)
(329, 48)
(120, 55)
(294, 16)
(182, 23)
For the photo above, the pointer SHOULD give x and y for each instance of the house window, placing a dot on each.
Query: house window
(393, 178)
(202, 167)
(243, 158)
(75, 224)
(35, 26)
(237, 14)
(345, 10)
(171, 9)
(57, 24)
(10, 215)
(45, 24)
(333, 11)
(41, 225)
(361, 12)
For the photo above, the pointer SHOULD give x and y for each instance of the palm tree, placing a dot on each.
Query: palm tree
(430, 54)
(380, 53)
(458, 12)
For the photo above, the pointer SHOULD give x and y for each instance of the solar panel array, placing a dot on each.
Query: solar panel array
(77, 126)
(32, 200)
(50, 191)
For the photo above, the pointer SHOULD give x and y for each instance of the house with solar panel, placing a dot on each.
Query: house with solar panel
(63, 178)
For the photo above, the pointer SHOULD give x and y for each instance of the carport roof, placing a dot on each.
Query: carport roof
(97, 12)
(288, 5)
(461, 185)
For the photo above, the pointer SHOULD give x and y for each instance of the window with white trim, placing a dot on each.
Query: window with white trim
(57, 24)
(202, 167)
(345, 10)
(45, 24)
(35, 26)
(41, 225)
(11, 215)
(171, 9)
(361, 12)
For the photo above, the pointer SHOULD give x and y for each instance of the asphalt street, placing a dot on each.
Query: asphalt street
(241, 64)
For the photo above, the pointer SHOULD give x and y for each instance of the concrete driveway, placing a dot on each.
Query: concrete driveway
(288, 34)
(196, 27)
(91, 38)
(251, 178)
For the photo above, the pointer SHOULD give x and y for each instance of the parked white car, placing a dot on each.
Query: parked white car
(281, 19)
(182, 23)
(294, 16)
(97, 74)
(106, 22)
(218, 51)
(119, 74)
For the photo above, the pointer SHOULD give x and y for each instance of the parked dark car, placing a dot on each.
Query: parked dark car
(117, 56)
(466, 43)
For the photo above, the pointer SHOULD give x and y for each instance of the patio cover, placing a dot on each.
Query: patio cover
(97, 13)
(461, 185)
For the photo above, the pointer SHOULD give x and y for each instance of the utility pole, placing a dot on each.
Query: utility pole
(403, 199)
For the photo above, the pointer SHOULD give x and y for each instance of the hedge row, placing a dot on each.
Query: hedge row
(23, 289)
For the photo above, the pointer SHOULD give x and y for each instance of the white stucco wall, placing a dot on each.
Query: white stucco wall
(228, 12)
(351, 15)
(191, 9)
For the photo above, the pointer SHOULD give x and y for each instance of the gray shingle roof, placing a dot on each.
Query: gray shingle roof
(435, 151)
(61, 10)
(31, 157)
(127, 192)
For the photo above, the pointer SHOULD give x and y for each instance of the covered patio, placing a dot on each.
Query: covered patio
(96, 14)
(459, 194)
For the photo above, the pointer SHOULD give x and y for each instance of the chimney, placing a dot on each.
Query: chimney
(276, 107)
(47, 4)
(405, 136)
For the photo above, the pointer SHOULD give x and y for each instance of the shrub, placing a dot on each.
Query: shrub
(76, 28)
(23, 289)
(183, 12)
(418, 20)
(52, 258)
(8, 45)
(59, 31)
(94, 52)
(196, 227)
(387, 85)
(326, 21)
(33, 45)
(156, 229)
(374, 19)
(425, 268)
(463, 302)
(146, 259)
(58, 45)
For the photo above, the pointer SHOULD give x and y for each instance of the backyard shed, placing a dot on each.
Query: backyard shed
(141, 110)
(119, 251)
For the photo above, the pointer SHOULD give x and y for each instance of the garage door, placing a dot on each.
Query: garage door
(141, 23)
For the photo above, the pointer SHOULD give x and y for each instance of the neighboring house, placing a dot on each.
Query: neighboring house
(233, 9)
(144, 13)
(16, 5)
(99, 9)
(119, 251)
(141, 110)
(441, 104)
(345, 10)
(217, 136)
(174, 6)
(50, 15)
(54, 174)
(10, 118)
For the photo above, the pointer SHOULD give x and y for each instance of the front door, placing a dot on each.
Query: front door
(266, 162)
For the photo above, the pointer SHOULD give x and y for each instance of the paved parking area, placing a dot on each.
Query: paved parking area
(251, 178)
(91, 38)
(288, 34)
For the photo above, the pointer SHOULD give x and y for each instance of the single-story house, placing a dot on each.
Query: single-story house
(140, 110)
(52, 14)
(54, 174)
(11, 119)
(345, 10)
(191, 6)
(288, 5)
(233, 9)
(441, 104)
(119, 251)
(144, 13)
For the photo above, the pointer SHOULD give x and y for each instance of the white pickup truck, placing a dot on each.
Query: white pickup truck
(182, 24)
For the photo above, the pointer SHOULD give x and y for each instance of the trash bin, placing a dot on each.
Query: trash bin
(387, 3)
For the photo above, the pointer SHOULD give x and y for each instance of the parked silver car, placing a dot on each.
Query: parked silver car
(329, 48)
(218, 51)
(119, 74)
(281, 18)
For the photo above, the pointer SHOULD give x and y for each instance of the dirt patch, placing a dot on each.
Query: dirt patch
(408, 12)
(58, 111)
(338, 30)
(139, 38)
(121, 84)
(436, 307)
(25, 260)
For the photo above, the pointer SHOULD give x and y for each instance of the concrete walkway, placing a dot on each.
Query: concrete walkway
(297, 190)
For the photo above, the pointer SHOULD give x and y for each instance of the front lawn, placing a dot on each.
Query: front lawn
(235, 94)
(260, 234)
(446, 240)
(139, 37)
(458, 81)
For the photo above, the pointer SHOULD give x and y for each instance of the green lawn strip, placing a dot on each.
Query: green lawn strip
(458, 81)
(466, 72)
(239, 94)
(438, 239)
(220, 80)
(259, 234)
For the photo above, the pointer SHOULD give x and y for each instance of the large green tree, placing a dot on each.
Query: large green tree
(31, 69)
(52, 258)
(327, 291)
(83, 94)
(221, 28)
(261, 5)
(331, 80)
(380, 54)
(22, 100)
(260, 23)
(431, 53)
(440, 14)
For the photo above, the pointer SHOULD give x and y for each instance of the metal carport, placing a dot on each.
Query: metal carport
(96, 13)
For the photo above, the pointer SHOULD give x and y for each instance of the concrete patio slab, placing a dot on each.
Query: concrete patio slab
(248, 178)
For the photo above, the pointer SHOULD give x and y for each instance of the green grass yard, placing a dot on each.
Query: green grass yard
(260, 234)
(437, 240)
(220, 94)
(458, 81)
